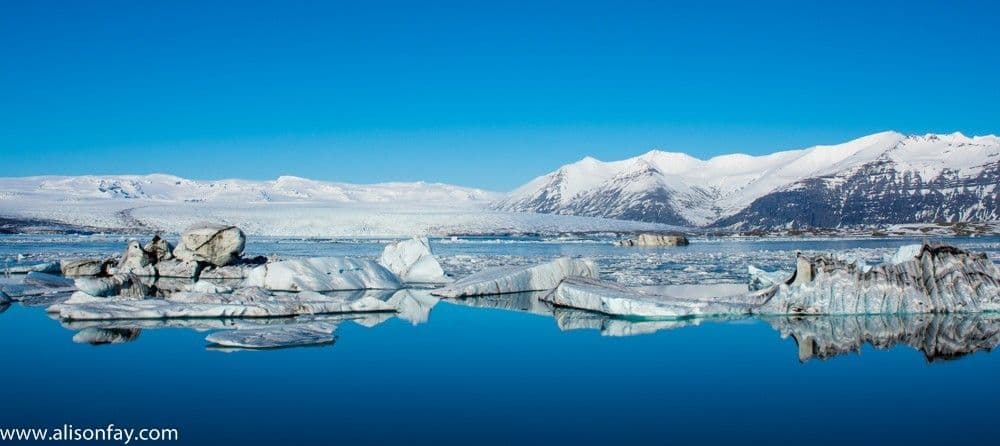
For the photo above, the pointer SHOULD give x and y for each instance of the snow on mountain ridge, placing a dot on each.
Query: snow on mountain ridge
(700, 192)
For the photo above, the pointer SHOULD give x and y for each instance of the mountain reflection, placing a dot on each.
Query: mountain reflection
(937, 336)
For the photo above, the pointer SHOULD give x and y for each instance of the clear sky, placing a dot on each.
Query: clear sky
(473, 93)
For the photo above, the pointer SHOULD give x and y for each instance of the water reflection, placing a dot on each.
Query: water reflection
(100, 336)
(937, 336)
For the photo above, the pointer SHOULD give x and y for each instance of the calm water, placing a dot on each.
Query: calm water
(477, 375)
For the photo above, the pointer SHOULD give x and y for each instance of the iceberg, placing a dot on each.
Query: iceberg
(615, 300)
(218, 245)
(323, 274)
(541, 277)
(249, 303)
(413, 261)
(37, 284)
(120, 285)
(288, 335)
(761, 280)
(86, 267)
(32, 267)
(933, 279)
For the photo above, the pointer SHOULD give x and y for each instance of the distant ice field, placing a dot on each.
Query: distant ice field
(705, 261)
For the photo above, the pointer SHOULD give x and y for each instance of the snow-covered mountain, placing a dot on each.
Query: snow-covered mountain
(882, 178)
(287, 206)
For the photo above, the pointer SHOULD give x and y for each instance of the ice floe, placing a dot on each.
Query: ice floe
(413, 261)
(540, 277)
(616, 300)
(323, 274)
(32, 267)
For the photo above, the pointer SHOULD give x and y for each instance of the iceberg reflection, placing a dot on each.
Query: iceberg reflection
(937, 336)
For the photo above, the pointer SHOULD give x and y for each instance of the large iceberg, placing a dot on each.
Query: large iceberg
(615, 300)
(413, 261)
(541, 277)
(244, 303)
(931, 279)
(286, 335)
(323, 274)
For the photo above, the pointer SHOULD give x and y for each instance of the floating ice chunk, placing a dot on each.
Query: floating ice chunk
(51, 281)
(86, 267)
(4, 298)
(905, 253)
(174, 268)
(568, 319)
(413, 261)
(123, 285)
(760, 279)
(207, 305)
(137, 261)
(205, 286)
(32, 267)
(518, 279)
(37, 284)
(940, 279)
(323, 274)
(612, 299)
(290, 335)
(99, 336)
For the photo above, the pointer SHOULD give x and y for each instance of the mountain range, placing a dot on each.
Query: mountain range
(884, 178)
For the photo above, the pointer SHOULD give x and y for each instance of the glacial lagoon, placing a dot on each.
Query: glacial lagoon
(511, 369)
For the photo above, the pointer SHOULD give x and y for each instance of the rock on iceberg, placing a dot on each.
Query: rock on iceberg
(289, 335)
(323, 274)
(615, 300)
(542, 277)
(933, 279)
(413, 261)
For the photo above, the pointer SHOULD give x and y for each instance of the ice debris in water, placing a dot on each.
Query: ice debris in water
(615, 300)
(286, 335)
(413, 261)
(323, 274)
(541, 277)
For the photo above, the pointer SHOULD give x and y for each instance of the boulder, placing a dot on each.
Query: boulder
(541, 277)
(159, 249)
(217, 245)
(413, 261)
(323, 274)
(651, 239)
(86, 267)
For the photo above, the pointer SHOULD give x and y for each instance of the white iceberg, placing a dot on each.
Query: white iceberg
(37, 284)
(905, 253)
(412, 261)
(760, 279)
(252, 303)
(206, 286)
(541, 277)
(218, 245)
(287, 335)
(122, 285)
(323, 274)
(615, 300)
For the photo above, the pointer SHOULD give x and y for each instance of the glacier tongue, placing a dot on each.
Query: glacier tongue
(541, 277)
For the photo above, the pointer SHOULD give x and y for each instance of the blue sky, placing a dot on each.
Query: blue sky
(473, 93)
